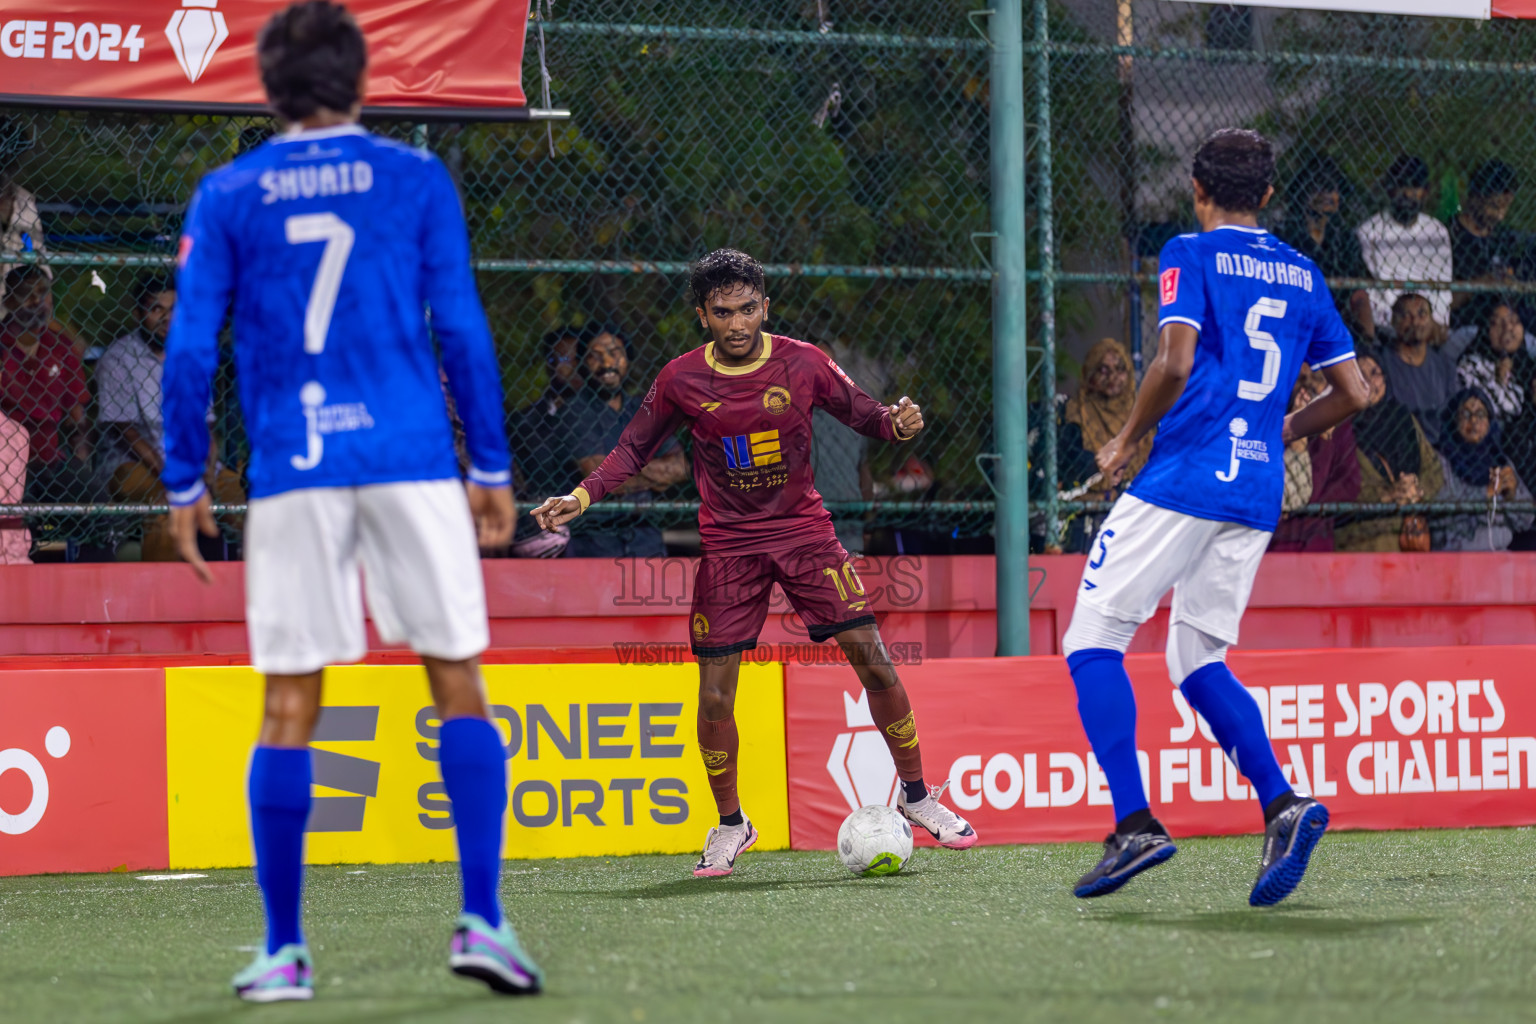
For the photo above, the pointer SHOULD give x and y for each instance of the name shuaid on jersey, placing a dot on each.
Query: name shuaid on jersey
(1269, 271)
(338, 179)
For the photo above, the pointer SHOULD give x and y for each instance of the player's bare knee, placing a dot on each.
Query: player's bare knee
(291, 707)
(717, 686)
(458, 689)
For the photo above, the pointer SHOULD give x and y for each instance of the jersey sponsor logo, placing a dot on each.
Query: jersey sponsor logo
(321, 419)
(195, 33)
(709, 406)
(1168, 282)
(1243, 447)
(776, 400)
(700, 626)
(746, 451)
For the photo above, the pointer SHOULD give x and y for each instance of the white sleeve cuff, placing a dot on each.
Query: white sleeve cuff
(189, 496)
(485, 479)
(1335, 360)
(1165, 321)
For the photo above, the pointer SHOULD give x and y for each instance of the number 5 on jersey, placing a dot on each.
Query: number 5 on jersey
(1257, 391)
(338, 236)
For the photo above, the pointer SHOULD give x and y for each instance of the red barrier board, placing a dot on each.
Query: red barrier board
(423, 53)
(1424, 737)
(82, 770)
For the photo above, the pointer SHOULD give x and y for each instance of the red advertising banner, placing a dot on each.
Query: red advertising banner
(82, 770)
(201, 54)
(1514, 8)
(1388, 738)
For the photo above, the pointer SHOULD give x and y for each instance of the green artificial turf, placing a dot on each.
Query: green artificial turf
(1402, 927)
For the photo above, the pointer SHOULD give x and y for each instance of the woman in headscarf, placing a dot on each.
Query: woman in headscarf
(1477, 469)
(1091, 420)
(1322, 471)
(1397, 466)
(1102, 405)
(1497, 363)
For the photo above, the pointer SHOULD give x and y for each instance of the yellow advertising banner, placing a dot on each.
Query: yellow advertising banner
(602, 760)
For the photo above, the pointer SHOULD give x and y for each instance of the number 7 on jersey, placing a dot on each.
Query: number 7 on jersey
(338, 237)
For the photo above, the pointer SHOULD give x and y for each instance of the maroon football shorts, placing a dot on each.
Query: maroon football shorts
(731, 595)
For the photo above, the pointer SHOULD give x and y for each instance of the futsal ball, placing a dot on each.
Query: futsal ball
(874, 840)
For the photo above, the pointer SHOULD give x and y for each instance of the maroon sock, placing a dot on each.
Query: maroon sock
(892, 712)
(719, 743)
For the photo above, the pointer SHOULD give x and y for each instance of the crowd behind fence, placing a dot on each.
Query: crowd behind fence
(846, 145)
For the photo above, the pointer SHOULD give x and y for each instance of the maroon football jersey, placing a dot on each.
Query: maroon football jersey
(751, 430)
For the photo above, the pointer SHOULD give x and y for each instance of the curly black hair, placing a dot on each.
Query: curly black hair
(722, 269)
(312, 55)
(1236, 167)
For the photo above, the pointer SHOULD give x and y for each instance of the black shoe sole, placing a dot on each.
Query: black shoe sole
(1109, 883)
(495, 980)
(1285, 875)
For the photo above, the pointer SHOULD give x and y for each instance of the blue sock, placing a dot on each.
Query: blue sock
(1235, 721)
(1107, 707)
(279, 791)
(475, 774)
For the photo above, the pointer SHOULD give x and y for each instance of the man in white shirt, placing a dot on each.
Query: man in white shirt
(132, 430)
(1405, 243)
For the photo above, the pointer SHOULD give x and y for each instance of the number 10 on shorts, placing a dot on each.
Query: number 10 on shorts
(852, 580)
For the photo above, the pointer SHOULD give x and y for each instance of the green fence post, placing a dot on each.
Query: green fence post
(1046, 229)
(1009, 360)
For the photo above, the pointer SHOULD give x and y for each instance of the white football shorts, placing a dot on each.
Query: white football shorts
(420, 564)
(1144, 549)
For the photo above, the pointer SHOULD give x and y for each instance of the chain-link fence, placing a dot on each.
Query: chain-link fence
(1405, 151)
(846, 145)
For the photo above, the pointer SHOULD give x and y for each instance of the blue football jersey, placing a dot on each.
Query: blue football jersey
(343, 254)
(1261, 307)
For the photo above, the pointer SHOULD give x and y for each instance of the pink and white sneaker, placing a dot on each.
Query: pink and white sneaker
(721, 848)
(947, 828)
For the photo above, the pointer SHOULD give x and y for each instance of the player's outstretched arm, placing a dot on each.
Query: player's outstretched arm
(657, 420)
(1346, 395)
(1161, 387)
(851, 405)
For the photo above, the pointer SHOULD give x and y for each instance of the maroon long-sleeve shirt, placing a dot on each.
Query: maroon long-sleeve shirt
(751, 429)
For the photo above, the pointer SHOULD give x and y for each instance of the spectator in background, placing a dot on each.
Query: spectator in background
(132, 430)
(597, 415)
(840, 469)
(1497, 363)
(1477, 469)
(15, 538)
(1420, 372)
(23, 225)
(1096, 414)
(1405, 243)
(1298, 465)
(540, 462)
(1090, 420)
(1398, 466)
(1313, 227)
(1332, 475)
(44, 390)
(1483, 247)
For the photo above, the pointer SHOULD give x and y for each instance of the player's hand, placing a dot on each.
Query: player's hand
(1112, 459)
(556, 511)
(907, 418)
(187, 521)
(493, 510)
